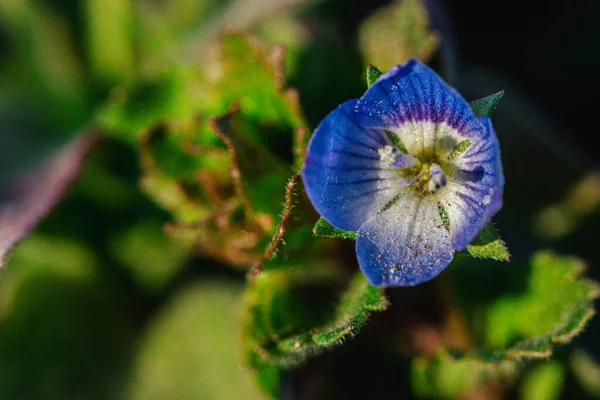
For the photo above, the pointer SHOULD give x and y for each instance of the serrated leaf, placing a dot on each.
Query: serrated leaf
(555, 308)
(372, 74)
(517, 316)
(396, 33)
(488, 244)
(261, 172)
(324, 229)
(254, 77)
(289, 319)
(486, 105)
(211, 136)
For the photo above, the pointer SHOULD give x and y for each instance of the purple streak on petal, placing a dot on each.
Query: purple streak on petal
(37, 192)
(413, 92)
(343, 173)
(404, 245)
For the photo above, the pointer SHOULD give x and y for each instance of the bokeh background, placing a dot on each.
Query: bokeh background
(100, 303)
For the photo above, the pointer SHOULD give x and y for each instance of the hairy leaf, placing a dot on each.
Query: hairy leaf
(211, 136)
(290, 316)
(516, 316)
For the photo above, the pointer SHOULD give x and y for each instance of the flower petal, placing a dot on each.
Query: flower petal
(496, 201)
(474, 192)
(404, 245)
(348, 173)
(413, 92)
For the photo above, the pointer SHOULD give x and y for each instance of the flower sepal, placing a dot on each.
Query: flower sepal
(324, 229)
(484, 106)
(372, 74)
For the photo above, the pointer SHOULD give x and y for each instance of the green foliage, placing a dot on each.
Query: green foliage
(544, 382)
(396, 33)
(555, 308)
(208, 138)
(486, 105)
(152, 258)
(110, 44)
(60, 317)
(587, 371)
(448, 376)
(283, 327)
(192, 341)
(553, 304)
(488, 244)
(97, 303)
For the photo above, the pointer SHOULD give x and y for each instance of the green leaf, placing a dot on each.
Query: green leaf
(555, 308)
(544, 382)
(262, 173)
(110, 39)
(140, 105)
(372, 74)
(486, 105)
(396, 33)
(192, 341)
(152, 258)
(324, 229)
(211, 135)
(516, 315)
(451, 376)
(587, 371)
(291, 315)
(77, 321)
(488, 244)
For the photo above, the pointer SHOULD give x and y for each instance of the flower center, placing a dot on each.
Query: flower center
(430, 179)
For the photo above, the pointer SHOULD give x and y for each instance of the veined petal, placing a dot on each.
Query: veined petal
(348, 171)
(496, 201)
(474, 193)
(404, 245)
(413, 92)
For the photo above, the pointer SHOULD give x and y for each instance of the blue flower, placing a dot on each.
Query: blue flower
(412, 168)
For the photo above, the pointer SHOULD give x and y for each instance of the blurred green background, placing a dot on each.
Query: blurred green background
(103, 301)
